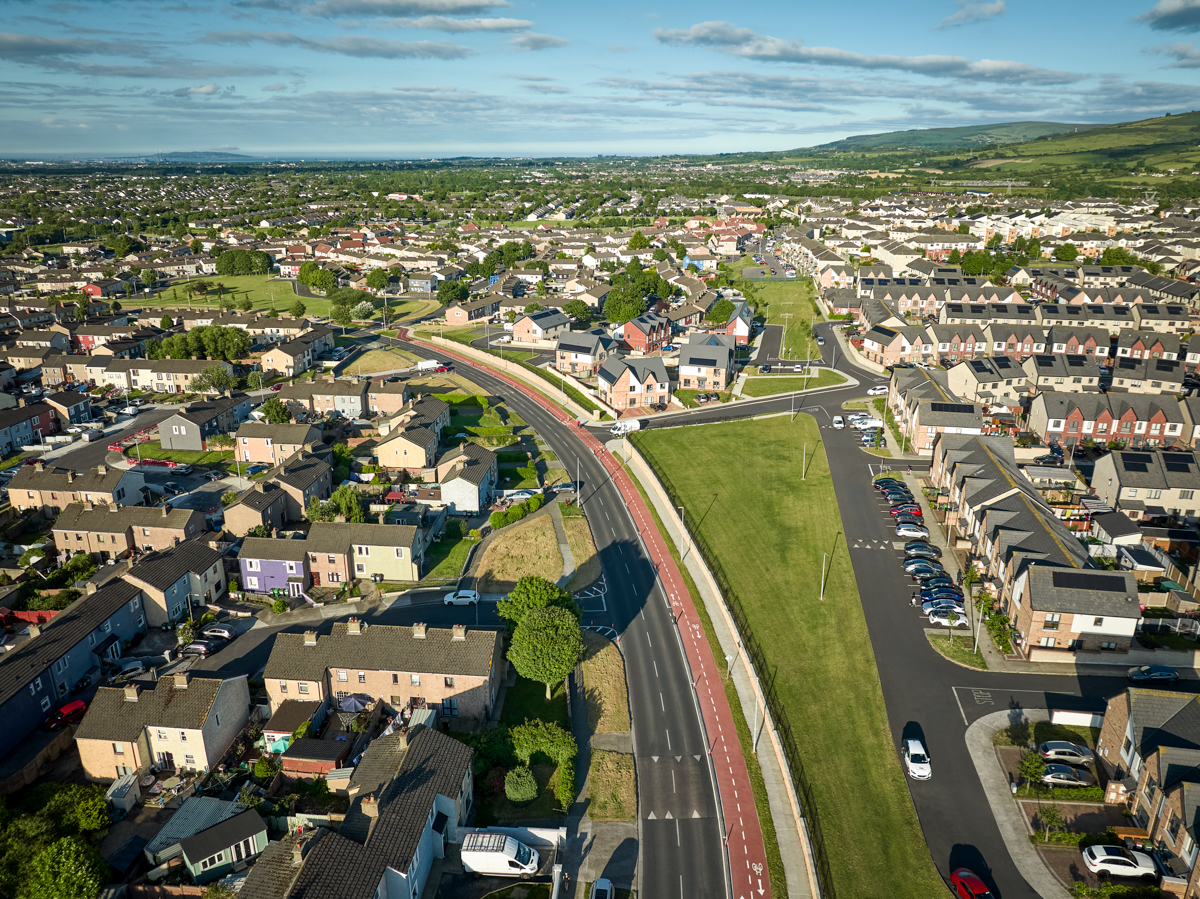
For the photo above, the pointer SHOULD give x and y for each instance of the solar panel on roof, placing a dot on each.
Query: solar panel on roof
(960, 408)
(1181, 467)
(1078, 580)
(1178, 457)
(1136, 457)
(1136, 467)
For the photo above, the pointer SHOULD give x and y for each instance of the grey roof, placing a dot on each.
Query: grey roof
(68, 398)
(472, 463)
(339, 536)
(324, 387)
(289, 434)
(261, 500)
(1163, 718)
(1109, 594)
(210, 408)
(549, 318)
(197, 814)
(89, 481)
(106, 519)
(113, 717)
(1166, 469)
(301, 470)
(1115, 524)
(642, 369)
(274, 550)
(60, 634)
(310, 748)
(219, 837)
(291, 714)
(939, 413)
(162, 569)
(273, 875)
(382, 647)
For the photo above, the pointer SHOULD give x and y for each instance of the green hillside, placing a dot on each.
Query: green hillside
(966, 137)
(1171, 133)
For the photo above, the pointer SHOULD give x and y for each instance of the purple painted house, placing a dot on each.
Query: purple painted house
(269, 564)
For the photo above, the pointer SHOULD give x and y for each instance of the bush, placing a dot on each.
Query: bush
(279, 606)
(496, 521)
(534, 503)
(264, 768)
(564, 790)
(519, 785)
(515, 514)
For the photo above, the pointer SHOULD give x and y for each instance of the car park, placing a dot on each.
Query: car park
(1066, 752)
(67, 714)
(881, 390)
(917, 564)
(839, 422)
(1118, 861)
(461, 598)
(944, 619)
(911, 530)
(916, 760)
(1153, 674)
(966, 884)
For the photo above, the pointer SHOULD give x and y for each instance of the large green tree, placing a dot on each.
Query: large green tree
(452, 292)
(297, 309)
(213, 377)
(275, 412)
(530, 593)
(578, 310)
(546, 646)
(720, 312)
(377, 279)
(1066, 252)
(67, 869)
(639, 241)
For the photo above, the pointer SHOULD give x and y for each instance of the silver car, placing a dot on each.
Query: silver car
(1068, 753)
(461, 598)
(221, 631)
(1066, 776)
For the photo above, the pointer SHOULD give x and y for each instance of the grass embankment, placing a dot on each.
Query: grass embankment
(960, 650)
(769, 385)
(152, 450)
(583, 549)
(604, 686)
(444, 560)
(528, 548)
(380, 360)
(772, 529)
(612, 787)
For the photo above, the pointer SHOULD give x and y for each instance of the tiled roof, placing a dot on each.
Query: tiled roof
(274, 550)
(312, 749)
(106, 519)
(276, 870)
(89, 481)
(261, 500)
(382, 647)
(288, 434)
(338, 536)
(113, 717)
(210, 408)
(163, 568)
(472, 463)
(221, 836)
(195, 815)
(301, 470)
(1163, 718)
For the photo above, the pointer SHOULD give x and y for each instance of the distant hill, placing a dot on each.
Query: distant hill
(206, 156)
(1168, 134)
(966, 137)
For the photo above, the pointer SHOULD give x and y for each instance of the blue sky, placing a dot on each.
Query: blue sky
(419, 78)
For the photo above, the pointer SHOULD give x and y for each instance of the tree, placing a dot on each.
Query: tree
(307, 272)
(546, 646)
(275, 412)
(520, 786)
(81, 309)
(255, 380)
(149, 276)
(66, 869)
(260, 530)
(531, 308)
(343, 315)
(452, 292)
(954, 258)
(578, 310)
(377, 279)
(622, 308)
(720, 312)
(532, 592)
(363, 310)
(297, 309)
(1052, 819)
(545, 737)
(324, 280)
(213, 378)
(951, 620)
(638, 241)
(1032, 767)
(1066, 252)
(245, 304)
(348, 502)
(167, 323)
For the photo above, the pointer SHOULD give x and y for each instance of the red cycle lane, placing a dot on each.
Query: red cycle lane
(743, 833)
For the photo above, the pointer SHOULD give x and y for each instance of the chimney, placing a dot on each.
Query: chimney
(70, 476)
(382, 517)
(131, 692)
(181, 680)
(87, 504)
(183, 407)
(274, 533)
(460, 632)
(228, 392)
(38, 466)
(259, 487)
(91, 587)
(310, 638)
(297, 854)
(34, 631)
(370, 806)
(419, 630)
(354, 626)
(102, 470)
(166, 509)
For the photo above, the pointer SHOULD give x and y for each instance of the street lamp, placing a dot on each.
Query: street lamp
(823, 558)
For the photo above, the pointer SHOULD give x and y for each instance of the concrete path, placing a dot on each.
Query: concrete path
(564, 547)
(999, 796)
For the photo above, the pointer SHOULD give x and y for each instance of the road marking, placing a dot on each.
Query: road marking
(677, 843)
(664, 708)
(648, 638)
(668, 733)
(655, 664)
(673, 790)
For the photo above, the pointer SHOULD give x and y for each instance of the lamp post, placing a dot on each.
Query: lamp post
(683, 525)
(823, 558)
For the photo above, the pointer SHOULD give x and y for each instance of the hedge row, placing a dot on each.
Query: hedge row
(516, 513)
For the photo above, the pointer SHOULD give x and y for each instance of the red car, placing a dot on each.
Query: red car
(442, 368)
(276, 387)
(68, 714)
(967, 885)
(906, 510)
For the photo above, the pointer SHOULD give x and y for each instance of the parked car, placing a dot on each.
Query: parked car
(940, 593)
(906, 509)
(916, 760)
(820, 341)
(128, 410)
(968, 885)
(219, 631)
(1153, 674)
(68, 714)
(520, 496)
(565, 487)
(255, 469)
(274, 387)
(602, 889)
(943, 604)
(923, 565)
(839, 422)
(928, 582)
(199, 648)
(911, 530)
(881, 390)
(908, 518)
(881, 483)
(1068, 753)
(942, 619)
(924, 551)
(1118, 861)
(173, 488)
(215, 475)
(461, 598)
(1048, 460)
(895, 497)
(130, 667)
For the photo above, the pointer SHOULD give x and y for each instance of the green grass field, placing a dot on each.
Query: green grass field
(777, 299)
(771, 529)
(769, 385)
(152, 450)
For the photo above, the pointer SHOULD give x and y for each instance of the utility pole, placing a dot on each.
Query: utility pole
(804, 464)
(683, 526)
(823, 558)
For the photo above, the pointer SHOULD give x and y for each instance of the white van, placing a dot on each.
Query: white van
(498, 855)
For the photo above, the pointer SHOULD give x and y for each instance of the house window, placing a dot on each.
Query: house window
(399, 552)
(1097, 622)
(449, 682)
(162, 736)
(302, 687)
(1046, 642)
(414, 680)
(183, 430)
(45, 703)
(252, 582)
(362, 677)
(1185, 494)
(252, 564)
(1153, 494)
(1131, 492)
(1109, 646)
(450, 707)
(1052, 620)
(190, 761)
(283, 686)
(362, 550)
(395, 680)
(360, 567)
(118, 748)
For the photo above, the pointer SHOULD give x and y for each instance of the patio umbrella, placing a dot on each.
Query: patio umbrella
(356, 702)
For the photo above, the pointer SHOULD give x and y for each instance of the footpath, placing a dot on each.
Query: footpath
(743, 833)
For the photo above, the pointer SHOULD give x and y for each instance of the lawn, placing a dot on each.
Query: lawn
(1019, 734)
(374, 361)
(583, 550)
(773, 529)
(960, 650)
(153, 450)
(528, 548)
(612, 787)
(445, 559)
(795, 298)
(769, 385)
(604, 686)
(688, 397)
(527, 699)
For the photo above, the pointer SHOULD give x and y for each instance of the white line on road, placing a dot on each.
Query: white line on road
(648, 638)
(668, 733)
(673, 790)
(655, 664)
(664, 708)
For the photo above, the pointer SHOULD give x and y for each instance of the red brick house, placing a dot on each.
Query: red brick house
(1138, 419)
(626, 383)
(648, 333)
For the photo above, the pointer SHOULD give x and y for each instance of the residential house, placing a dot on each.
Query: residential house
(648, 333)
(72, 408)
(330, 560)
(387, 399)
(887, 345)
(467, 475)
(456, 670)
(304, 477)
(991, 380)
(546, 325)
(40, 672)
(1059, 610)
(1147, 485)
(271, 444)
(25, 425)
(195, 423)
(179, 580)
(263, 505)
(1139, 421)
(329, 396)
(48, 490)
(633, 383)
(225, 847)
(1014, 340)
(159, 375)
(706, 361)
(739, 326)
(582, 353)
(187, 722)
(268, 565)
(1064, 374)
(1148, 345)
(409, 449)
(475, 309)
(113, 531)
(1148, 376)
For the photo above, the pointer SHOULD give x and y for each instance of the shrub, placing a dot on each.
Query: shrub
(279, 606)
(534, 503)
(497, 520)
(564, 790)
(265, 768)
(519, 785)
(515, 514)
(474, 533)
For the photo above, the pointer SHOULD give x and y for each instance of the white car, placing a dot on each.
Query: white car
(911, 530)
(878, 391)
(520, 496)
(1118, 861)
(942, 606)
(75, 429)
(941, 618)
(602, 889)
(916, 760)
(129, 410)
(839, 422)
(461, 598)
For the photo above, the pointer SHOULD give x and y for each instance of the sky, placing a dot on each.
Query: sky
(433, 78)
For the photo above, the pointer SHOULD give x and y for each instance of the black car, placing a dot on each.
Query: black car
(1048, 460)
(201, 647)
(923, 552)
(930, 580)
(885, 483)
(1153, 674)
(898, 496)
(921, 544)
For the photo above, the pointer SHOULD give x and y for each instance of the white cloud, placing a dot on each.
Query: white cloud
(972, 11)
(1173, 15)
(362, 47)
(451, 25)
(533, 41)
(271, 88)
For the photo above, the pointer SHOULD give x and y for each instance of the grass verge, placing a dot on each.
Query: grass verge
(758, 785)
(527, 699)
(769, 385)
(151, 450)
(380, 360)
(958, 651)
(528, 548)
(604, 686)
(446, 558)
(583, 550)
(688, 397)
(612, 787)
(1020, 734)
(771, 527)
